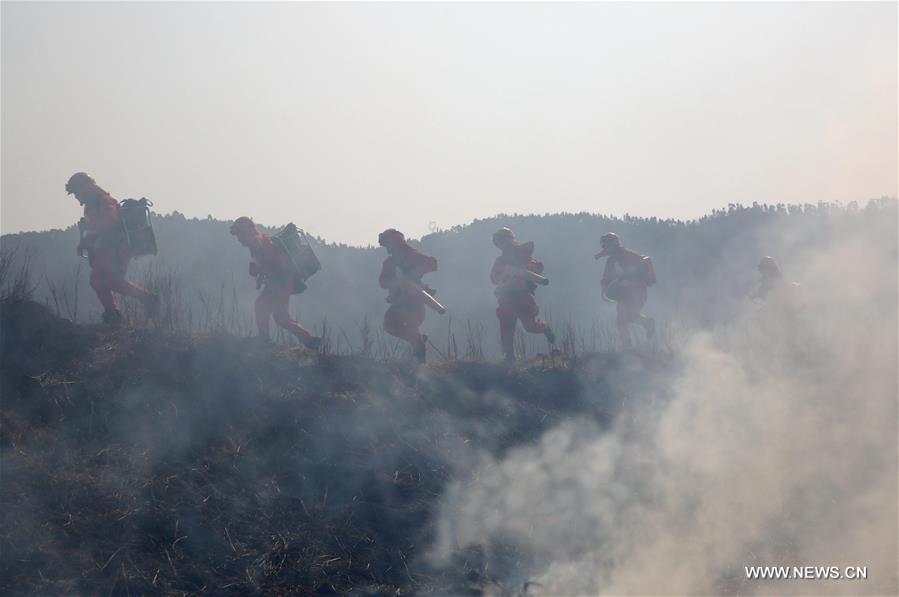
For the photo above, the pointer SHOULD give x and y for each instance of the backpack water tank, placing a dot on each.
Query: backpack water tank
(302, 258)
(135, 215)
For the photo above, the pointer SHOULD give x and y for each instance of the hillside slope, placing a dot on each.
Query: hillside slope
(705, 270)
(142, 461)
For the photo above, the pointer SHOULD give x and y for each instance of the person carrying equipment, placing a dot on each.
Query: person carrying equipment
(516, 275)
(773, 286)
(625, 281)
(104, 239)
(401, 275)
(274, 276)
(781, 300)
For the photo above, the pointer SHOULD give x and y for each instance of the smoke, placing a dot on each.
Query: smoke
(201, 275)
(770, 441)
(775, 446)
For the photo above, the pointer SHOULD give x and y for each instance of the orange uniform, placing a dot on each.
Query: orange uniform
(783, 299)
(271, 268)
(775, 288)
(401, 275)
(515, 293)
(625, 279)
(628, 267)
(107, 248)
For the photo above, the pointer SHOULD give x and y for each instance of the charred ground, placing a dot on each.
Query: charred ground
(143, 461)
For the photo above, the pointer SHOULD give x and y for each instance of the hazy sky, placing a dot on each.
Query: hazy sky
(351, 118)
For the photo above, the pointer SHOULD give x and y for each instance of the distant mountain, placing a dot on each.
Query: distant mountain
(705, 269)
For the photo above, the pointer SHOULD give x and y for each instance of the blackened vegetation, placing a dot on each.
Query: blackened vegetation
(139, 461)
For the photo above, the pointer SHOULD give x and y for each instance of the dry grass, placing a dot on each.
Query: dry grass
(16, 281)
(222, 313)
(147, 461)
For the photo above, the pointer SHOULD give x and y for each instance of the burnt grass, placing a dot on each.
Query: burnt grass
(138, 461)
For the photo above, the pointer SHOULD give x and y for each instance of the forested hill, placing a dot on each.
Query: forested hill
(705, 268)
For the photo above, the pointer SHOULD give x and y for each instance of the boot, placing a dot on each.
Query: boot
(419, 353)
(113, 318)
(152, 306)
(550, 335)
(314, 343)
(261, 342)
(509, 357)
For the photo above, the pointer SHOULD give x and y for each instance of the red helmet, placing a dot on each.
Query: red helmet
(78, 182)
(768, 266)
(503, 235)
(609, 240)
(391, 237)
(242, 224)
(609, 243)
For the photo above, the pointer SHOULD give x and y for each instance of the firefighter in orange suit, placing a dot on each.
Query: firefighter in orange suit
(270, 267)
(401, 275)
(516, 275)
(106, 244)
(626, 280)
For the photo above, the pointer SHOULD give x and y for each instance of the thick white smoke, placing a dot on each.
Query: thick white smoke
(775, 446)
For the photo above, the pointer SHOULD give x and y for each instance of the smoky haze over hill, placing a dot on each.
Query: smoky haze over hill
(705, 270)
(229, 465)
